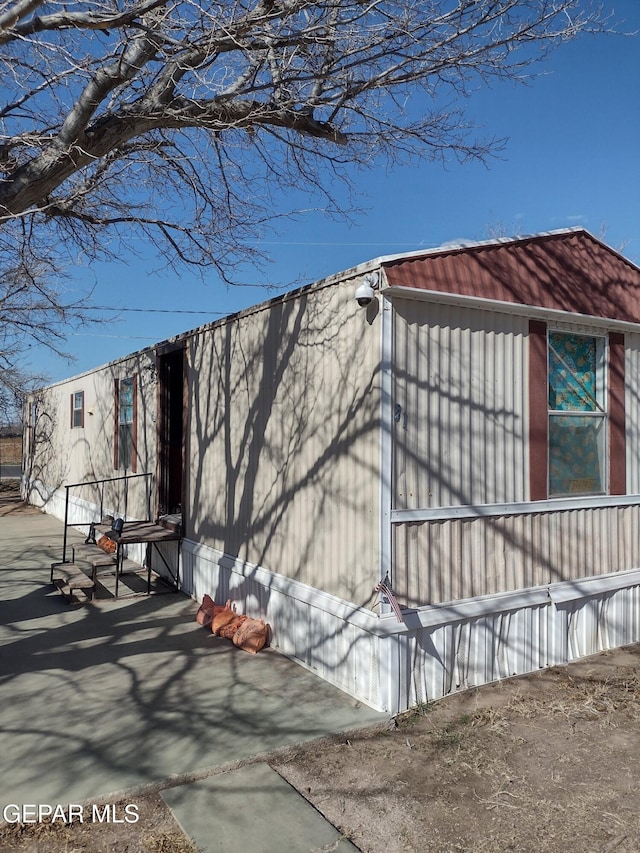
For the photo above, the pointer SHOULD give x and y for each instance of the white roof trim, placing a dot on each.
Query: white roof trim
(521, 309)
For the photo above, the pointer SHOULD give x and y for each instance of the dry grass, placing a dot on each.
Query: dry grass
(10, 500)
(155, 832)
(585, 697)
(544, 764)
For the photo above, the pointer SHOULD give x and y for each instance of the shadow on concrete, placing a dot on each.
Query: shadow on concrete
(100, 698)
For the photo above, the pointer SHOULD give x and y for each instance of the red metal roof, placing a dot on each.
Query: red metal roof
(566, 271)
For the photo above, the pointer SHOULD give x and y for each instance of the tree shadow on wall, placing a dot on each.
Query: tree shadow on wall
(285, 470)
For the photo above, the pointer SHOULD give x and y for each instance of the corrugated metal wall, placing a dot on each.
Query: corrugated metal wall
(284, 431)
(430, 663)
(461, 423)
(453, 657)
(450, 560)
(461, 438)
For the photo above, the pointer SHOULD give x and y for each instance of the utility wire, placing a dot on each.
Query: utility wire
(150, 310)
(119, 337)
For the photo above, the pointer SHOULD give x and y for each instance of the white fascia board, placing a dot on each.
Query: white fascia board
(283, 585)
(435, 615)
(564, 591)
(438, 615)
(518, 308)
(445, 513)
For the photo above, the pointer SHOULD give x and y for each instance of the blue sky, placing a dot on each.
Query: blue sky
(571, 159)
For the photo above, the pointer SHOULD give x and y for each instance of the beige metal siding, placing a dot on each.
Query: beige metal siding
(450, 560)
(61, 455)
(460, 432)
(284, 431)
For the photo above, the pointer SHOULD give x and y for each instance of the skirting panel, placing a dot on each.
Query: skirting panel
(331, 637)
(432, 662)
(437, 650)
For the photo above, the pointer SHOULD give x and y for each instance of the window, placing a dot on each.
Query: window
(125, 456)
(31, 430)
(577, 394)
(77, 410)
(577, 429)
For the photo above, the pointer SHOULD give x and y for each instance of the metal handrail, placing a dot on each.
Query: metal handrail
(125, 477)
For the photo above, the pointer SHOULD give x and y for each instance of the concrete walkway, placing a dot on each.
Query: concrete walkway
(98, 699)
(252, 809)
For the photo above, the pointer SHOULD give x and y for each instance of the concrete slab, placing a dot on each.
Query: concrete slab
(97, 699)
(252, 808)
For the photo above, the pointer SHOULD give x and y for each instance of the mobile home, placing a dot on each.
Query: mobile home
(423, 472)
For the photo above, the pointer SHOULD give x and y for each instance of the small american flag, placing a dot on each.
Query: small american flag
(385, 588)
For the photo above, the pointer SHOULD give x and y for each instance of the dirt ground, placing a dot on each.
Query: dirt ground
(11, 449)
(548, 762)
(10, 498)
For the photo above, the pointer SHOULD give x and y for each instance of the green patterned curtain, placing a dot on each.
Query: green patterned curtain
(576, 443)
(572, 373)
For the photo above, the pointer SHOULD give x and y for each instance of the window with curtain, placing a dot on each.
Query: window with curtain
(577, 438)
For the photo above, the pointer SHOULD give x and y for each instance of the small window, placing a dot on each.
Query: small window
(126, 397)
(577, 415)
(77, 410)
(31, 431)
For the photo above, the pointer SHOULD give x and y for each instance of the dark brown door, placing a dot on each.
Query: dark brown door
(171, 408)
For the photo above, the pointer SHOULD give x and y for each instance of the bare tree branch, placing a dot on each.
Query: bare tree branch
(329, 71)
(181, 121)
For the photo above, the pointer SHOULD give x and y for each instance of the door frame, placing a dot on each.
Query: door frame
(163, 354)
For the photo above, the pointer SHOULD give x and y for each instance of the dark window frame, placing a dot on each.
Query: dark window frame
(77, 412)
(125, 431)
(539, 417)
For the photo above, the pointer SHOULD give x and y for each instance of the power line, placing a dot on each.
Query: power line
(120, 337)
(116, 310)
